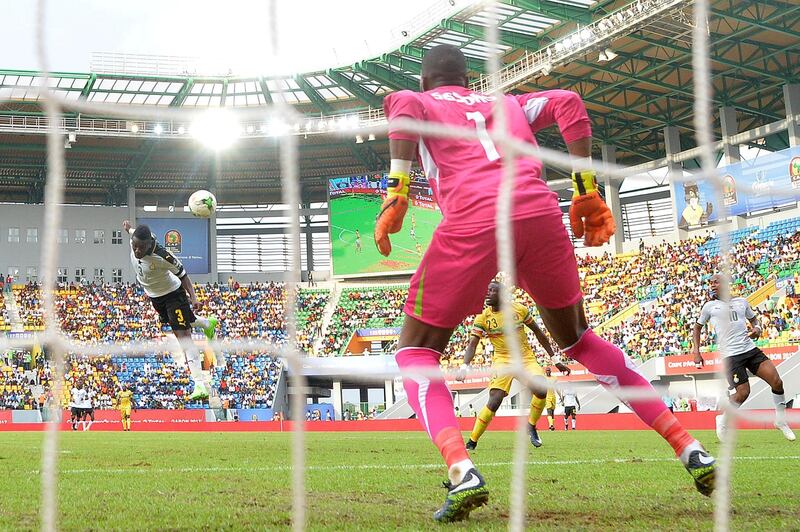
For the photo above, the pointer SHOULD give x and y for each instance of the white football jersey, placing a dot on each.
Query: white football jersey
(570, 398)
(159, 272)
(81, 398)
(738, 311)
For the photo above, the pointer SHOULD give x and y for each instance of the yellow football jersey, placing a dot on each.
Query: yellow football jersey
(124, 397)
(490, 324)
(551, 393)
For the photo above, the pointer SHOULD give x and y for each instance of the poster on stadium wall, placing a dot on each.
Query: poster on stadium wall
(353, 204)
(684, 364)
(768, 181)
(5, 417)
(186, 238)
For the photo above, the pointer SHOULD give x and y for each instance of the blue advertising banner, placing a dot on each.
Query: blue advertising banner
(383, 331)
(186, 238)
(768, 181)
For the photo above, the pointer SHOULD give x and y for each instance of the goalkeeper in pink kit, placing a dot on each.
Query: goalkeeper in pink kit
(462, 257)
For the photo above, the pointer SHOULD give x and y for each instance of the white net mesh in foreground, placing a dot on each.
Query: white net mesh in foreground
(59, 344)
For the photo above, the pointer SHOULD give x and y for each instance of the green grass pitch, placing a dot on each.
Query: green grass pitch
(381, 481)
(348, 213)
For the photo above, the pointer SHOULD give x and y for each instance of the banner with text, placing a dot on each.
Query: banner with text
(684, 364)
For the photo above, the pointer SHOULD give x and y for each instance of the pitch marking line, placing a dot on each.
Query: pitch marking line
(383, 466)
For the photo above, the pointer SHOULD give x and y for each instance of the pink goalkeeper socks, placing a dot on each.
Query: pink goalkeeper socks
(431, 400)
(614, 369)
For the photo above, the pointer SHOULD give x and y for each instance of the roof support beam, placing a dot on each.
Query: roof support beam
(88, 87)
(418, 53)
(353, 87)
(138, 162)
(313, 95)
(508, 38)
(385, 76)
(179, 98)
(773, 27)
(262, 82)
(554, 10)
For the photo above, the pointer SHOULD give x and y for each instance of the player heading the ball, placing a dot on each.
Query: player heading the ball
(167, 285)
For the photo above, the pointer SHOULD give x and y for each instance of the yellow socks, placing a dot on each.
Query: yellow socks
(481, 422)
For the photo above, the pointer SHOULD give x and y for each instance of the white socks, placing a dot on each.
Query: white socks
(192, 354)
(201, 322)
(458, 470)
(780, 408)
(694, 446)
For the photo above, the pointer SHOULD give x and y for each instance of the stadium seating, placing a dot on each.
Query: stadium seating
(247, 381)
(105, 313)
(369, 306)
(668, 298)
(5, 323)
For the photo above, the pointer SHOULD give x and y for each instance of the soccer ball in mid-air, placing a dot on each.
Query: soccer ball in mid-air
(202, 203)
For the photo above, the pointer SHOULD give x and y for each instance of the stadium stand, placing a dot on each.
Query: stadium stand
(662, 325)
(5, 323)
(102, 313)
(369, 306)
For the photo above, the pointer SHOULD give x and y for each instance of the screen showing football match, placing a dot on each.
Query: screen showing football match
(354, 202)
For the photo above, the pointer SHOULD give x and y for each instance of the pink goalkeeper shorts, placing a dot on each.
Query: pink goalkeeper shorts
(450, 283)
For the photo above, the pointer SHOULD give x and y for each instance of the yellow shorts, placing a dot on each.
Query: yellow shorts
(503, 382)
(126, 412)
(550, 405)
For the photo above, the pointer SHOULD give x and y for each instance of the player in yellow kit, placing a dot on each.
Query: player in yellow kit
(489, 323)
(550, 400)
(124, 403)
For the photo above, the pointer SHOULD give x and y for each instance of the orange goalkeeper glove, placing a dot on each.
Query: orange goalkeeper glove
(589, 215)
(390, 219)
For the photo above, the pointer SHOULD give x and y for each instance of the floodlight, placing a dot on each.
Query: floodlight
(158, 129)
(606, 55)
(277, 127)
(181, 130)
(250, 129)
(371, 136)
(359, 139)
(134, 128)
(217, 129)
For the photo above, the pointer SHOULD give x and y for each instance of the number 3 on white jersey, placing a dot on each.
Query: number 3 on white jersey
(483, 135)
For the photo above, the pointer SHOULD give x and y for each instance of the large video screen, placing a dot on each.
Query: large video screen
(354, 202)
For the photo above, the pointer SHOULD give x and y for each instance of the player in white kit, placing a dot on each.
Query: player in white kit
(81, 406)
(569, 398)
(740, 352)
(167, 285)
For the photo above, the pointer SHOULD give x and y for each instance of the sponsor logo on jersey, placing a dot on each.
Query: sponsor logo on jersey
(173, 240)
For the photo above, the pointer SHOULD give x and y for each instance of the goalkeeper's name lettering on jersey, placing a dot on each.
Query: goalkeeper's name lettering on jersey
(470, 99)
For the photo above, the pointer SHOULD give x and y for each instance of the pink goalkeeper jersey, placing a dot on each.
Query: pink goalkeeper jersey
(465, 173)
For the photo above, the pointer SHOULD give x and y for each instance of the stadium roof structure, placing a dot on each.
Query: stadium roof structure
(631, 62)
